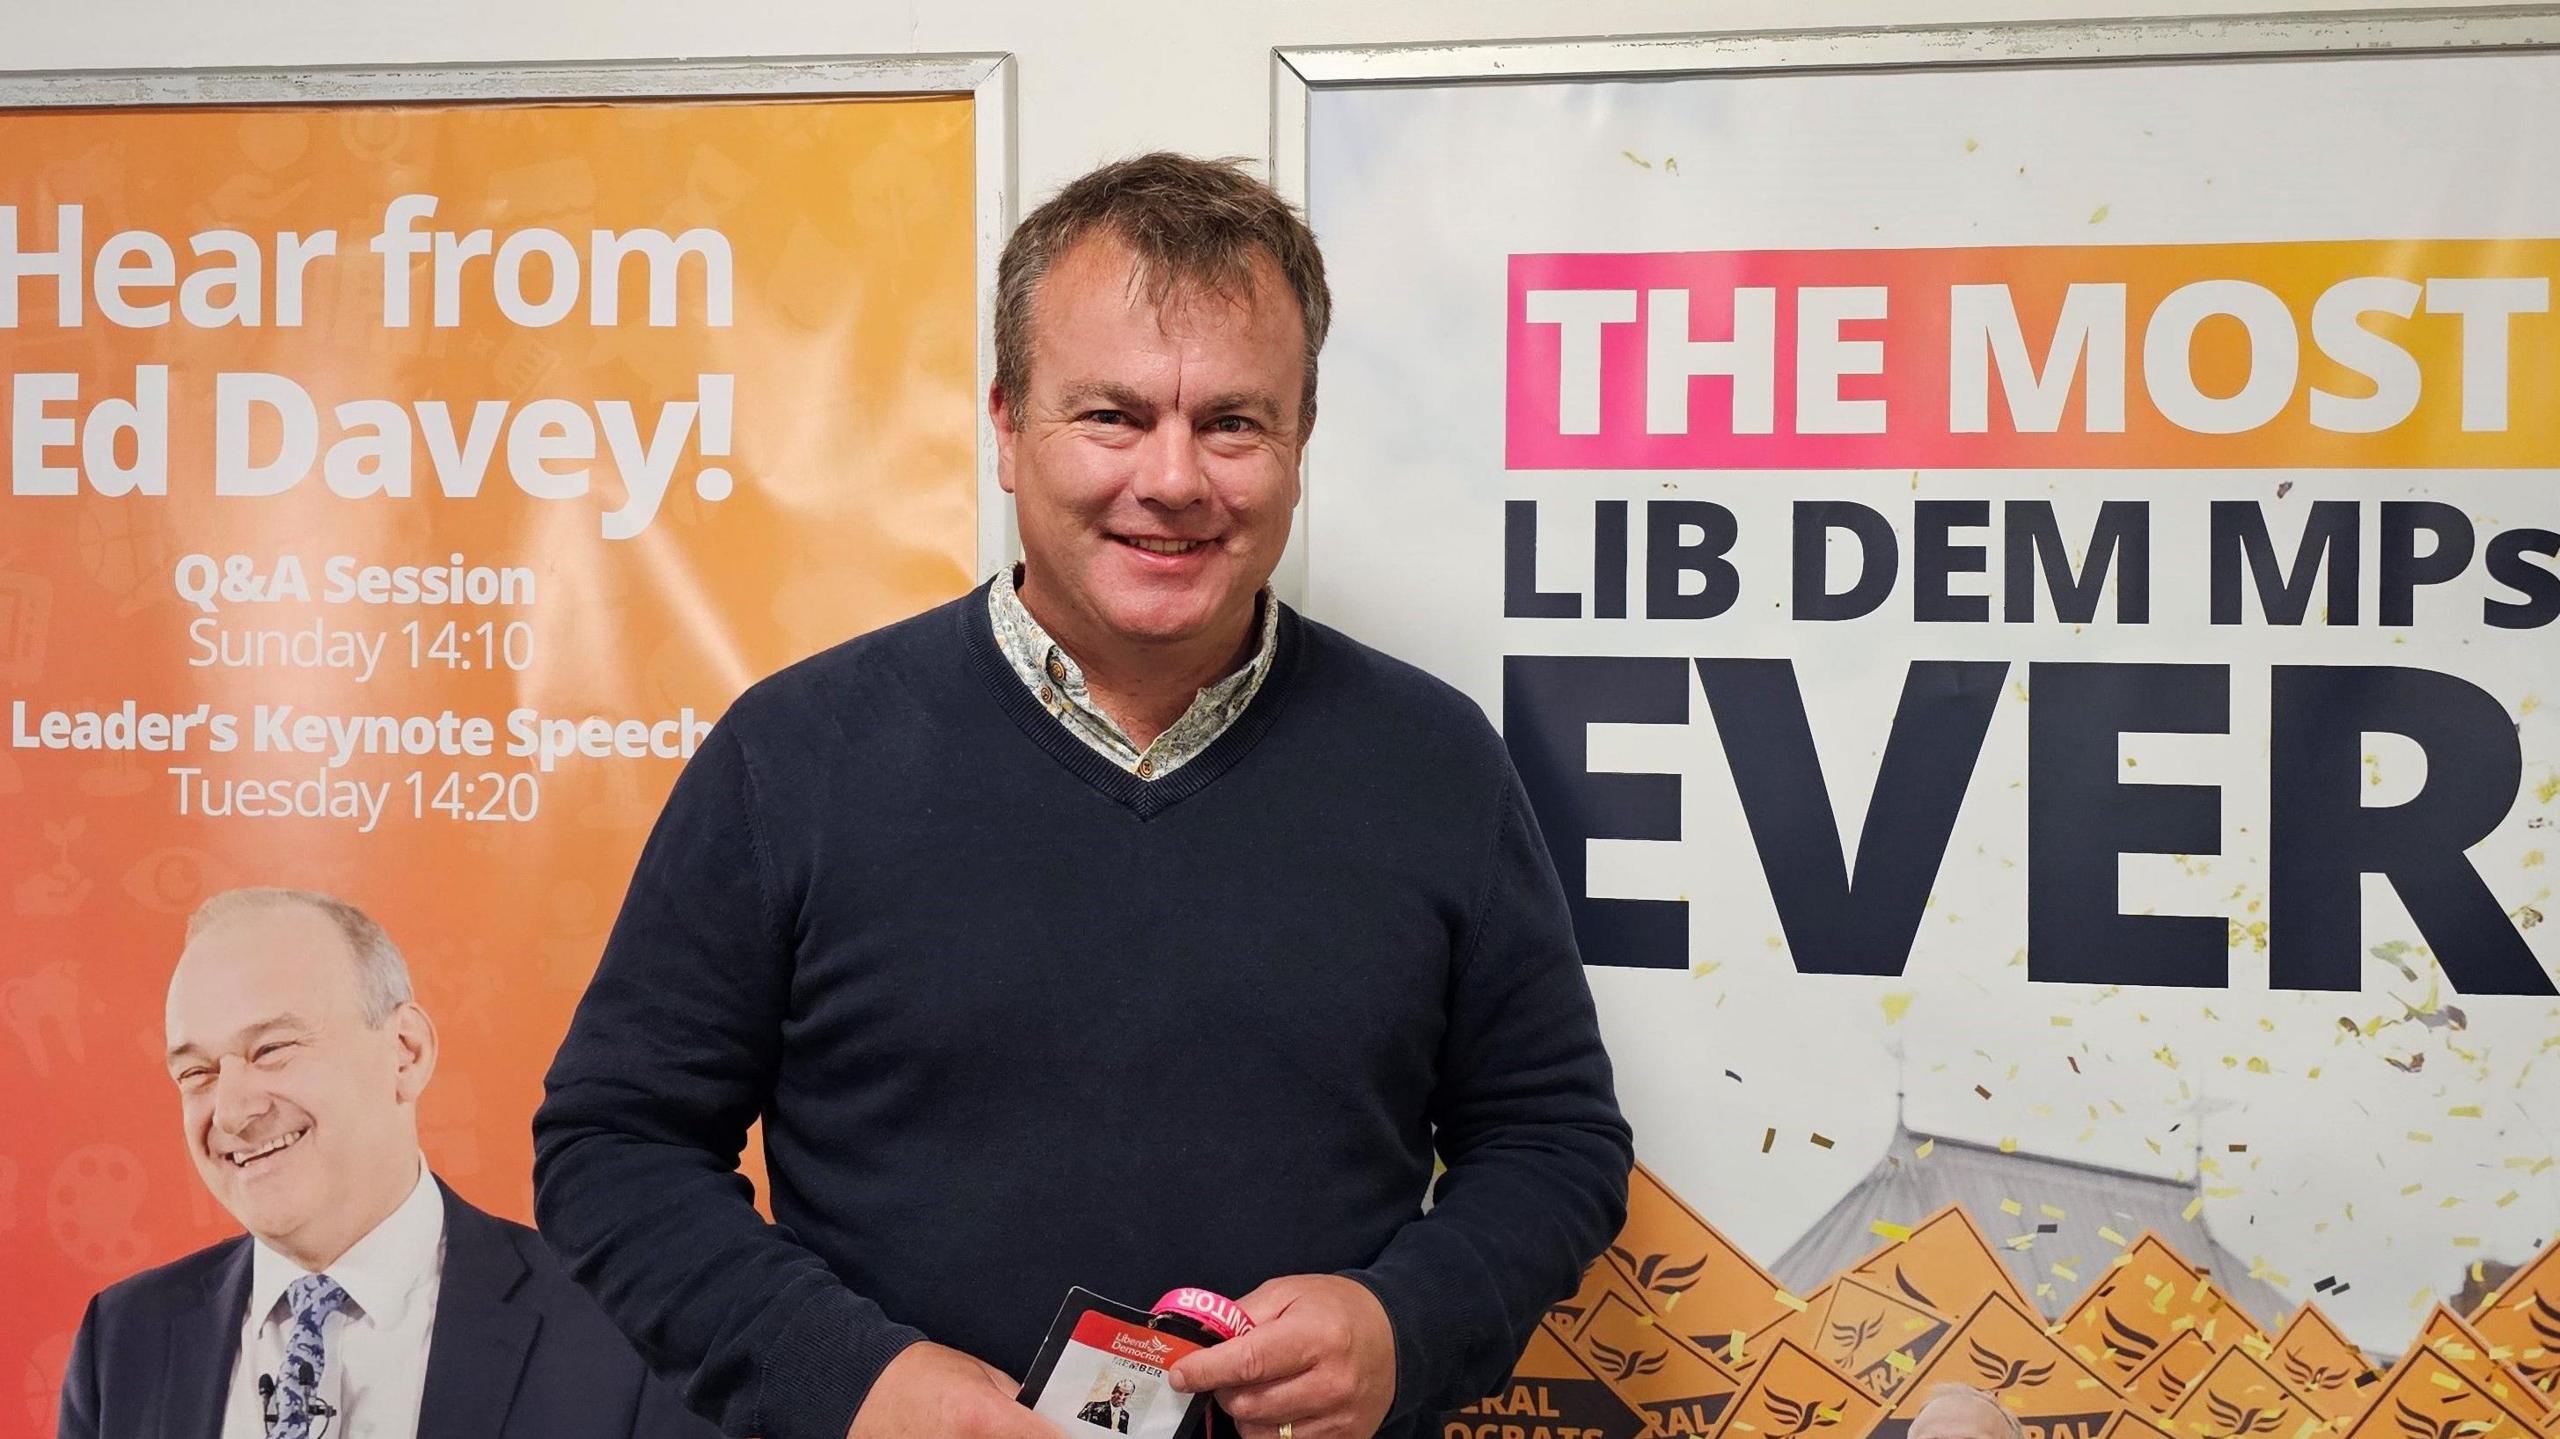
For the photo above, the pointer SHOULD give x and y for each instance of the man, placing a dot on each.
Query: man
(1122, 788)
(1960, 1411)
(367, 1300)
(1111, 1413)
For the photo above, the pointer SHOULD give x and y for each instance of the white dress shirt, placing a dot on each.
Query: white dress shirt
(377, 1341)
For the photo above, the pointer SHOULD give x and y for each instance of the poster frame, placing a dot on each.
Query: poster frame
(1297, 72)
(987, 78)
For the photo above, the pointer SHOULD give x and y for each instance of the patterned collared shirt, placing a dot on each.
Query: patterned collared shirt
(1053, 675)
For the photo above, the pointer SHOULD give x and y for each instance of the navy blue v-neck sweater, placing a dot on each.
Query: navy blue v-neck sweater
(1016, 1020)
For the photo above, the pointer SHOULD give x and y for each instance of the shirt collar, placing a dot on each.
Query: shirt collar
(382, 1272)
(1040, 660)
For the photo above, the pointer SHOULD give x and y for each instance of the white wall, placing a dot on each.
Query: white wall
(1097, 80)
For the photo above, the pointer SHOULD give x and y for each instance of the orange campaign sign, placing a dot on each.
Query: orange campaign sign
(2483, 1363)
(2524, 1316)
(1552, 1394)
(1946, 1265)
(1686, 1270)
(2003, 1350)
(2322, 1366)
(2150, 1294)
(2160, 1384)
(1875, 1337)
(396, 496)
(1798, 1322)
(1793, 1395)
(1678, 1387)
(2425, 1397)
(2240, 1398)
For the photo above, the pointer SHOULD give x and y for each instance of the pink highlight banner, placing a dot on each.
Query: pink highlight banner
(2099, 356)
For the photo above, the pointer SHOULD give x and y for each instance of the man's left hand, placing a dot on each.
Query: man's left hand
(1321, 1359)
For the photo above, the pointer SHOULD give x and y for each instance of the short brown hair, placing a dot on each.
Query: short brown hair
(1193, 224)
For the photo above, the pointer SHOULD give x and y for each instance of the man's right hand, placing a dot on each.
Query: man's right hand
(931, 1390)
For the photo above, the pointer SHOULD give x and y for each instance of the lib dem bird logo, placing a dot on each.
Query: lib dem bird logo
(1903, 1282)
(2543, 1369)
(1850, 1336)
(2173, 1384)
(1797, 1416)
(2312, 1378)
(2238, 1422)
(1656, 1274)
(2130, 1347)
(2415, 1424)
(1626, 1364)
(1999, 1372)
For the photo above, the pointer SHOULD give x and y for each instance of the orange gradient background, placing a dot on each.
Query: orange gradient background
(853, 346)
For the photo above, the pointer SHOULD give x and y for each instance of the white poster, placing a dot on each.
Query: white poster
(2023, 597)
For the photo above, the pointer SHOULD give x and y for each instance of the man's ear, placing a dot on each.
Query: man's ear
(1001, 413)
(415, 1035)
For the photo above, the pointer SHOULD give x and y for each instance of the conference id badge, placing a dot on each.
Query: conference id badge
(1102, 1371)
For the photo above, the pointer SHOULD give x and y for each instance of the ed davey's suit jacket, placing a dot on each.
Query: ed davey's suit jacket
(518, 1352)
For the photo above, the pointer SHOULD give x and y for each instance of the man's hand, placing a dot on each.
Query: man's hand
(929, 1389)
(1321, 1359)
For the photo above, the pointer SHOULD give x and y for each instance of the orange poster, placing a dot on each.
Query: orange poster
(396, 496)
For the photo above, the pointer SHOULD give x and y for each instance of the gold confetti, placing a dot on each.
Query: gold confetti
(1885, 1229)
(1900, 1362)
(2464, 1111)
(2067, 1272)
(1768, 1138)
(1896, 1004)
(2049, 1211)
(2012, 1208)
(2194, 1207)
(2420, 1136)
(2061, 1021)
(2111, 1236)
(1733, 1346)
(2008, 1144)
(1927, 1147)
(1821, 1141)
(1789, 1300)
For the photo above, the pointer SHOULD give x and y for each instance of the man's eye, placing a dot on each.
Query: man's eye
(192, 1077)
(266, 1052)
(1107, 417)
(1232, 425)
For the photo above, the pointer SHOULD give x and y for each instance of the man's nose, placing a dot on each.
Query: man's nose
(1169, 471)
(240, 1097)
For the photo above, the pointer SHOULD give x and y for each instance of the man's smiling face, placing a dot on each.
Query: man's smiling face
(300, 1117)
(1155, 462)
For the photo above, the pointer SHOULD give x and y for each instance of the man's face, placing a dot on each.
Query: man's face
(1959, 1416)
(301, 1120)
(1156, 462)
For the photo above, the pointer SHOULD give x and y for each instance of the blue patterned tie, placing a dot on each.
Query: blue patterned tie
(313, 1298)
